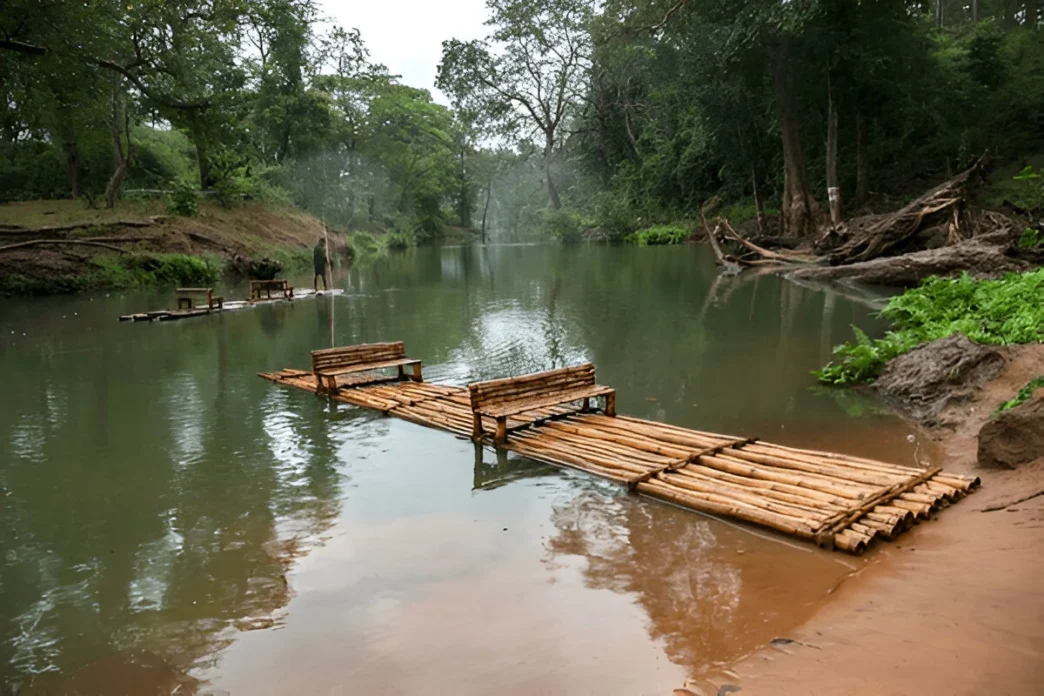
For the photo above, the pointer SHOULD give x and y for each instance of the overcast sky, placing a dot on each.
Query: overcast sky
(407, 35)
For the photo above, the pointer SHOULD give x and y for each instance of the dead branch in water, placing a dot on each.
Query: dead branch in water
(778, 256)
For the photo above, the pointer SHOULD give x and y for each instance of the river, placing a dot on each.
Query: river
(170, 522)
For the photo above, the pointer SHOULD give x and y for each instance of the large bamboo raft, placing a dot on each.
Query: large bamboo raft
(834, 500)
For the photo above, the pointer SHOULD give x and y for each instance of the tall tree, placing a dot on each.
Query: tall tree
(529, 73)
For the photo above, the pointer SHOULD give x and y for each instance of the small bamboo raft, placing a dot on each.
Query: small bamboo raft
(231, 305)
(834, 500)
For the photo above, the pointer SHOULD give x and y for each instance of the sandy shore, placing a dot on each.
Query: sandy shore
(955, 607)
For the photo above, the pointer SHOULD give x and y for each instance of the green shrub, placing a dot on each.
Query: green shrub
(616, 216)
(566, 226)
(1030, 239)
(398, 241)
(987, 311)
(1022, 395)
(364, 243)
(183, 198)
(139, 270)
(662, 234)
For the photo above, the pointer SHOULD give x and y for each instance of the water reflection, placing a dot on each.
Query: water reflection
(712, 591)
(159, 502)
(496, 468)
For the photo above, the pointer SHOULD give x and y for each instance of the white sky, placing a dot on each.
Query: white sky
(407, 35)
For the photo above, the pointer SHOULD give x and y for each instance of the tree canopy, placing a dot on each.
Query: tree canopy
(613, 114)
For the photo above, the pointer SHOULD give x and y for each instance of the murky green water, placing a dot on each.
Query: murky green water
(169, 521)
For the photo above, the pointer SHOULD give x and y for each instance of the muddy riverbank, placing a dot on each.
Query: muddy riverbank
(956, 607)
(56, 247)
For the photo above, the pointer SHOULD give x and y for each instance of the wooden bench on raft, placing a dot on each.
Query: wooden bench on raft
(186, 297)
(282, 286)
(329, 363)
(501, 398)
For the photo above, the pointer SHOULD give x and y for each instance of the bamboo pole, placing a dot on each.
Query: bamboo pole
(733, 493)
(719, 506)
(778, 491)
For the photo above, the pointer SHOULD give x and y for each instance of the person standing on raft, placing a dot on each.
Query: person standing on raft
(319, 265)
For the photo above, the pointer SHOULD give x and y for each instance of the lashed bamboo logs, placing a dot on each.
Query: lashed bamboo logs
(837, 500)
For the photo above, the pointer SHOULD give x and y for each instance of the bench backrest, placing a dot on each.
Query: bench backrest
(348, 356)
(193, 291)
(498, 391)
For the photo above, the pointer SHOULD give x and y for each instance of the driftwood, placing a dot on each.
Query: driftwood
(983, 256)
(942, 205)
(779, 256)
(101, 242)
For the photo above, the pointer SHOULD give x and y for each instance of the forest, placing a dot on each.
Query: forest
(571, 116)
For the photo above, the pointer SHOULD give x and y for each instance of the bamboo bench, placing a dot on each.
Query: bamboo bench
(185, 298)
(501, 398)
(329, 363)
(280, 285)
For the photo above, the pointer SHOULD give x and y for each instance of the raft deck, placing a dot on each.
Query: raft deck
(834, 500)
(230, 306)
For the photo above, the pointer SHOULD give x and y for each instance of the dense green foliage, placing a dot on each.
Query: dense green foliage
(662, 234)
(1022, 395)
(252, 99)
(113, 272)
(692, 99)
(987, 311)
(625, 113)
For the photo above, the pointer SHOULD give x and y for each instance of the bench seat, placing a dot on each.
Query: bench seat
(511, 408)
(501, 398)
(327, 364)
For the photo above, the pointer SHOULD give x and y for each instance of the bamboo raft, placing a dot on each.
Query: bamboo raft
(834, 500)
(230, 306)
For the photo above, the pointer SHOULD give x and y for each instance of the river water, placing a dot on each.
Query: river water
(171, 523)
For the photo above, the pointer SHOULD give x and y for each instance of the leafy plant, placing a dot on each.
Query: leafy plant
(1021, 395)
(398, 241)
(663, 234)
(987, 311)
(564, 225)
(140, 270)
(1030, 239)
(183, 198)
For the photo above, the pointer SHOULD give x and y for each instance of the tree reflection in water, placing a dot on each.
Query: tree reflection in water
(712, 591)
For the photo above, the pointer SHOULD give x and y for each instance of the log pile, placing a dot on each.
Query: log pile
(833, 500)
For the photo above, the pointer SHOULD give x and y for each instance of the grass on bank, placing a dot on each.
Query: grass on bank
(660, 234)
(1021, 395)
(995, 312)
(122, 272)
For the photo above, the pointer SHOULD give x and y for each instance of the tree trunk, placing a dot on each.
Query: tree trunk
(833, 189)
(798, 209)
(862, 190)
(199, 139)
(73, 170)
(485, 208)
(464, 204)
(939, 13)
(975, 11)
(759, 209)
(552, 191)
(121, 160)
(1032, 13)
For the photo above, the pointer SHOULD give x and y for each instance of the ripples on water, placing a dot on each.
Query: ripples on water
(168, 517)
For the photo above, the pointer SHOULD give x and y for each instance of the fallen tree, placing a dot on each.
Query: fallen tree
(941, 205)
(986, 256)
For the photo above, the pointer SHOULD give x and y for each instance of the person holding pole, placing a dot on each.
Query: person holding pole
(320, 264)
